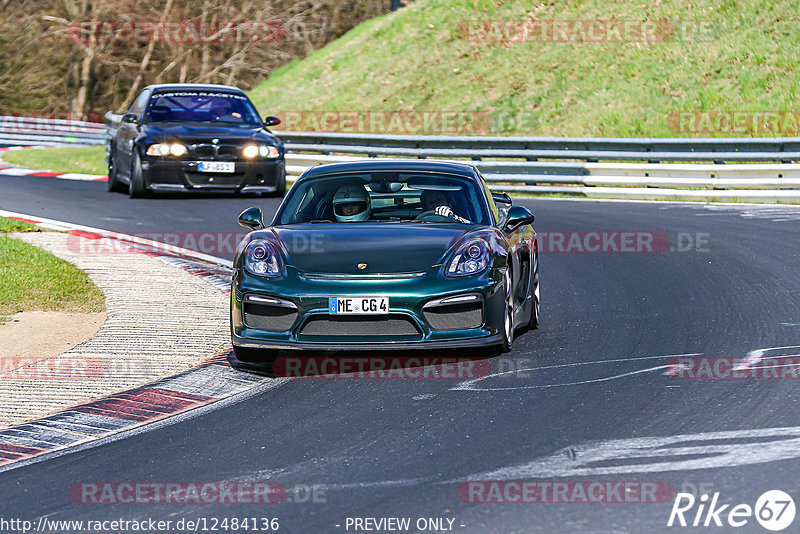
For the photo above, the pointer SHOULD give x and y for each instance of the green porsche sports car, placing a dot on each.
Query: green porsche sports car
(385, 255)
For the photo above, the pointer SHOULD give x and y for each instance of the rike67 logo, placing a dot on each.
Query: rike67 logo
(774, 510)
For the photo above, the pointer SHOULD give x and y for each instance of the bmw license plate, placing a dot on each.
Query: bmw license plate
(358, 305)
(216, 166)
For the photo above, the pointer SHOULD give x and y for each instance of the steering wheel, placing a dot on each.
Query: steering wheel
(321, 211)
(432, 216)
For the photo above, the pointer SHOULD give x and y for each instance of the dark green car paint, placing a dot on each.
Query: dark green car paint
(404, 261)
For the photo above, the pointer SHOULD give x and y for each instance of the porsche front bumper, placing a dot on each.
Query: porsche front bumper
(426, 310)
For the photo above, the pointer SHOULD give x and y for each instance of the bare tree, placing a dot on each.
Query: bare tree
(51, 62)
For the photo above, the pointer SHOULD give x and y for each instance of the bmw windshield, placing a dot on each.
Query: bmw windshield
(202, 106)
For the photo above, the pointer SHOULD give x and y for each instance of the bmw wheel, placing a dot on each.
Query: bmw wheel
(136, 188)
(114, 184)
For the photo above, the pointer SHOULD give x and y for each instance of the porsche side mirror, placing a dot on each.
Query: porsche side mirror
(130, 118)
(271, 121)
(502, 198)
(251, 218)
(518, 216)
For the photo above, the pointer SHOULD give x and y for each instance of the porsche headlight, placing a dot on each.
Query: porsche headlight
(471, 257)
(261, 258)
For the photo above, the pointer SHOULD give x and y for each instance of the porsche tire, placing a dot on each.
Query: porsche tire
(508, 310)
(533, 324)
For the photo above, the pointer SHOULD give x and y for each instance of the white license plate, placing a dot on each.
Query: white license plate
(216, 166)
(358, 305)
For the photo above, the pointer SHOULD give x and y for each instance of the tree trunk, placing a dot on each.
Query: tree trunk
(134, 88)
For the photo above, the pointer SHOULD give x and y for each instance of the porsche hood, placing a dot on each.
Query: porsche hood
(364, 248)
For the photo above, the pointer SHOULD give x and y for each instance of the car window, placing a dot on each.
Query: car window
(496, 216)
(139, 102)
(385, 197)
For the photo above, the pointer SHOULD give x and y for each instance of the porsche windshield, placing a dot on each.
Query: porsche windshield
(201, 106)
(386, 197)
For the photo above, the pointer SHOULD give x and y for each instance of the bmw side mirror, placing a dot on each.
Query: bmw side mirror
(130, 118)
(251, 218)
(518, 216)
(271, 121)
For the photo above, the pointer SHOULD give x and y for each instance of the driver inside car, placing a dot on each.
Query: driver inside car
(439, 203)
(223, 112)
(351, 203)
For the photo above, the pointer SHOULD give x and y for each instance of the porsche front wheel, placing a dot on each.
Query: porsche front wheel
(508, 310)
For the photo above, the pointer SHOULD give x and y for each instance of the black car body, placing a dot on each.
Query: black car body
(181, 137)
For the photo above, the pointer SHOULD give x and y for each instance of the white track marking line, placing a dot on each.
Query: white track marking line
(565, 384)
(164, 247)
(755, 356)
(467, 385)
(655, 454)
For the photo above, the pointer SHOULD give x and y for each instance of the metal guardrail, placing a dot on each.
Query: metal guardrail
(783, 149)
(50, 132)
(593, 167)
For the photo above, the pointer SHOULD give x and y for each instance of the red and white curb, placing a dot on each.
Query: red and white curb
(145, 246)
(208, 383)
(97, 420)
(14, 170)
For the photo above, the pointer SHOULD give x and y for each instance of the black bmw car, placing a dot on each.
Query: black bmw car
(182, 137)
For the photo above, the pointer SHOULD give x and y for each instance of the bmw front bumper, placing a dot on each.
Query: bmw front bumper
(264, 176)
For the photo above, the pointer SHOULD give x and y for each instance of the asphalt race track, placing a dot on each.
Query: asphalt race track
(726, 286)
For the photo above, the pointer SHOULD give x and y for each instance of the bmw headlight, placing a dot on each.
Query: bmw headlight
(471, 257)
(264, 151)
(261, 258)
(268, 151)
(165, 149)
(250, 151)
(178, 150)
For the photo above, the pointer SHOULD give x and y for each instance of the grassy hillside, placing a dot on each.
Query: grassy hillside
(730, 56)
